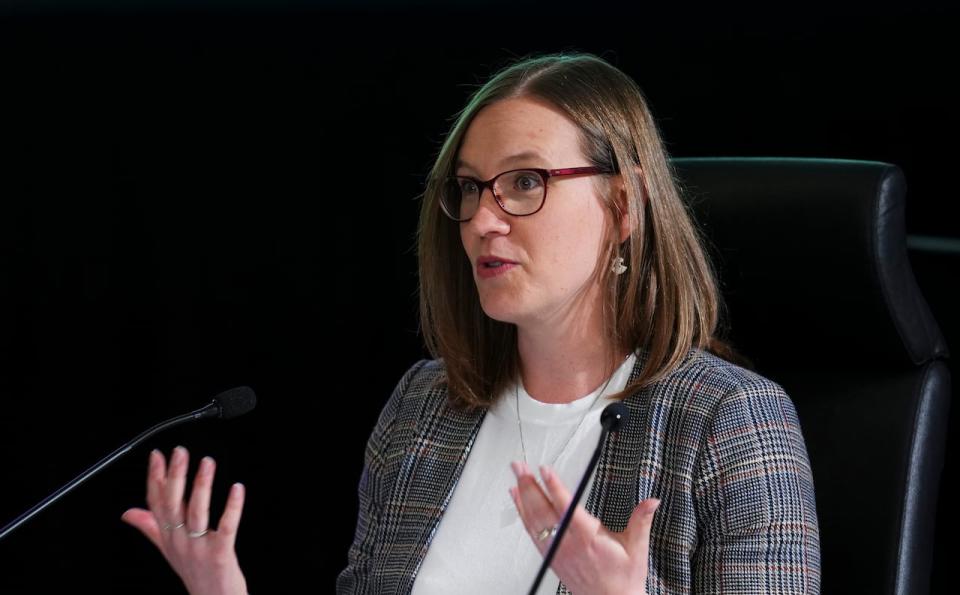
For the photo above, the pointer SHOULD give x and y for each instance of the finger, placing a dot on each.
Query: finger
(156, 476)
(198, 510)
(582, 522)
(230, 521)
(529, 486)
(535, 509)
(638, 529)
(145, 522)
(560, 497)
(174, 486)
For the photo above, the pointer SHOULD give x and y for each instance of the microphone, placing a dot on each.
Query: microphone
(227, 405)
(614, 415)
(612, 419)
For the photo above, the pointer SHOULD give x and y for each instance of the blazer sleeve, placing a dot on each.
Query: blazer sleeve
(753, 498)
(373, 491)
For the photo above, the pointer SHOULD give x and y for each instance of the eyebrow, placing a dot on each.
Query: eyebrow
(525, 155)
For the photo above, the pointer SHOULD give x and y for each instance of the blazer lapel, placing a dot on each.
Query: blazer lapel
(615, 488)
(430, 473)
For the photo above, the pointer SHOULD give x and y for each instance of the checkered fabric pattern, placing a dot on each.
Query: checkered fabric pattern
(720, 446)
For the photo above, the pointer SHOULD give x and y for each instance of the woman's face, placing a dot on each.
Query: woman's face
(555, 250)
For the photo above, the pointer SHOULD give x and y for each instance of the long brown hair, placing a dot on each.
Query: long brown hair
(667, 301)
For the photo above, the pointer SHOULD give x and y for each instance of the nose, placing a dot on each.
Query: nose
(489, 218)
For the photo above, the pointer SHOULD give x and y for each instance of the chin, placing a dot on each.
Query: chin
(499, 310)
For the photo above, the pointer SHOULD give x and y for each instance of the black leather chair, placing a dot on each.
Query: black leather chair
(813, 264)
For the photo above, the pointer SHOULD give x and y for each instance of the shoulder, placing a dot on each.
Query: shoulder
(717, 373)
(708, 397)
(419, 416)
(420, 393)
(401, 413)
(427, 370)
(746, 397)
(706, 382)
(736, 414)
(424, 380)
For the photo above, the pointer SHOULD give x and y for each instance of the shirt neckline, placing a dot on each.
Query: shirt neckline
(537, 412)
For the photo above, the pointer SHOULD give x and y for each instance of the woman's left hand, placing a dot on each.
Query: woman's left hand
(591, 559)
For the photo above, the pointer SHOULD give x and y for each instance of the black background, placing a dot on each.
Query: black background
(199, 196)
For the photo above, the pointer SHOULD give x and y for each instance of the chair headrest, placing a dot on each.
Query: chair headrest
(812, 256)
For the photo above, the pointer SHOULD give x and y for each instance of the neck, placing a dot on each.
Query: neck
(563, 361)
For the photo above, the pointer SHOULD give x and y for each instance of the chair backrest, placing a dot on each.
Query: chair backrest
(812, 259)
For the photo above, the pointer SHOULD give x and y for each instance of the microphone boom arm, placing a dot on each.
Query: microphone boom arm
(567, 516)
(211, 410)
(612, 418)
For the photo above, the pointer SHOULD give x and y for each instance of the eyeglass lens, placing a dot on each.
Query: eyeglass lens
(520, 192)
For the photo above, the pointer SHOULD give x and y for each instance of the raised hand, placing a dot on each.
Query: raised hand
(590, 558)
(205, 559)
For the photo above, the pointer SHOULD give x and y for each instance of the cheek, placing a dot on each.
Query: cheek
(567, 258)
(465, 240)
(577, 248)
(580, 235)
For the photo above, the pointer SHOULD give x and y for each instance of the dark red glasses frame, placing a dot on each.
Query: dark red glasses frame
(545, 175)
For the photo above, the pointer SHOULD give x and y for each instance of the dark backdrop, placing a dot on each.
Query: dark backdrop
(192, 199)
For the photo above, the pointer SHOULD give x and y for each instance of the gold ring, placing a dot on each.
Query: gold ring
(195, 534)
(547, 532)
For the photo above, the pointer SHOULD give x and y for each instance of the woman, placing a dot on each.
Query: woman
(559, 271)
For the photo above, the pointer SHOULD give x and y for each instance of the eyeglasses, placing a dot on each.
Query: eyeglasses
(519, 192)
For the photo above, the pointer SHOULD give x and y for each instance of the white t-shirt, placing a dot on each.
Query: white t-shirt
(480, 544)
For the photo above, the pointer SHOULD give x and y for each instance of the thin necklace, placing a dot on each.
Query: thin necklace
(516, 398)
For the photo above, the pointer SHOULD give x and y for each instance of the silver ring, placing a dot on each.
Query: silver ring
(195, 534)
(546, 533)
(171, 526)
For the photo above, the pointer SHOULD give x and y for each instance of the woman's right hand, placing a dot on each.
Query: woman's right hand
(204, 559)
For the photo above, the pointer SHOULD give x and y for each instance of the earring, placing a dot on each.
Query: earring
(618, 267)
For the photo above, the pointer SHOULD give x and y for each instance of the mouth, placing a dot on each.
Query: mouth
(491, 267)
(493, 260)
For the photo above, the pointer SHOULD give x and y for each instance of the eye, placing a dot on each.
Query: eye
(468, 186)
(526, 181)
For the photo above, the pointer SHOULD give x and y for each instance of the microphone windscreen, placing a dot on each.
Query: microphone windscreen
(614, 415)
(236, 401)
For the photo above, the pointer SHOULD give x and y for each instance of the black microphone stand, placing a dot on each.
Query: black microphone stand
(613, 416)
(211, 410)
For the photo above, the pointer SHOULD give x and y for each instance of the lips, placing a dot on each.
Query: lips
(492, 266)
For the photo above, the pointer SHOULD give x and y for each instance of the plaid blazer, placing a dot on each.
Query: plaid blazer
(720, 446)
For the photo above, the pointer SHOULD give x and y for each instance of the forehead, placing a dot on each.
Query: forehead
(520, 132)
